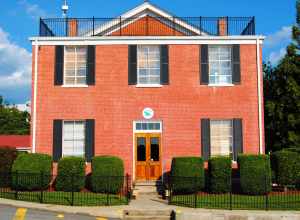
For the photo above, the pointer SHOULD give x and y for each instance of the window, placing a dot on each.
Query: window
(73, 138)
(75, 65)
(148, 64)
(221, 137)
(220, 66)
(147, 126)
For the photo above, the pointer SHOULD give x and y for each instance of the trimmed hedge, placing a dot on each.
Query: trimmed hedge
(187, 174)
(31, 171)
(70, 174)
(107, 174)
(219, 169)
(286, 165)
(8, 156)
(255, 174)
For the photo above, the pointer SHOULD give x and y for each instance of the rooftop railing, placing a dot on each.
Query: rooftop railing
(147, 26)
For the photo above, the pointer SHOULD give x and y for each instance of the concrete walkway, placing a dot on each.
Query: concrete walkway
(153, 203)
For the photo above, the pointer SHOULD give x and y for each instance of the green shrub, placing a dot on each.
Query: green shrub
(187, 174)
(286, 165)
(255, 174)
(8, 156)
(107, 174)
(31, 171)
(70, 174)
(219, 174)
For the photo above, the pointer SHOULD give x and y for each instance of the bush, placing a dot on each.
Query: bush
(107, 174)
(8, 156)
(286, 165)
(187, 174)
(31, 171)
(255, 174)
(70, 174)
(219, 174)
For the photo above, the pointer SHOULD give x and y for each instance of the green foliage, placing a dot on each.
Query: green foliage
(282, 96)
(70, 174)
(219, 174)
(13, 121)
(187, 174)
(31, 171)
(255, 174)
(107, 174)
(8, 156)
(286, 165)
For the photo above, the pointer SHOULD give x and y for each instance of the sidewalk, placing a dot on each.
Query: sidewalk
(151, 203)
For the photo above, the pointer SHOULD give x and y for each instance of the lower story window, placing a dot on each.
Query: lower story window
(73, 138)
(221, 137)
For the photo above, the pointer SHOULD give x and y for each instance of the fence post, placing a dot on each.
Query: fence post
(200, 27)
(230, 195)
(93, 26)
(266, 186)
(42, 186)
(72, 195)
(120, 26)
(170, 189)
(17, 185)
(227, 26)
(107, 192)
(195, 195)
(67, 26)
(127, 188)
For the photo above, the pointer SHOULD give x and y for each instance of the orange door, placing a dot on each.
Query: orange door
(148, 156)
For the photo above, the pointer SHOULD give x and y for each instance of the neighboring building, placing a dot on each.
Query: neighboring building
(147, 87)
(20, 142)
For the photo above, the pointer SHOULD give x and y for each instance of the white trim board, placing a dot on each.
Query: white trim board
(147, 40)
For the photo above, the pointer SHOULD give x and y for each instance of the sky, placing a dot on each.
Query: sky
(19, 21)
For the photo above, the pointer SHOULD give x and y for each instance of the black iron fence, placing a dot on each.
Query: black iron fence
(147, 26)
(73, 190)
(279, 198)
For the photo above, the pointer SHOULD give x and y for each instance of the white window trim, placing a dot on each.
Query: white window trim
(147, 131)
(74, 85)
(145, 85)
(220, 84)
(62, 144)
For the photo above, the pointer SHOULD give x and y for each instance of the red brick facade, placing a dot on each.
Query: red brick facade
(115, 105)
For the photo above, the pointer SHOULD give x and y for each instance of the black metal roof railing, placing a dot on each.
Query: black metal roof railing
(147, 26)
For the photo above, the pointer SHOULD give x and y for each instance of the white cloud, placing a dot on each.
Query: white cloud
(279, 37)
(33, 10)
(276, 56)
(15, 64)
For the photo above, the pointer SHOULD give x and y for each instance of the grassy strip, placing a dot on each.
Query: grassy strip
(65, 198)
(222, 201)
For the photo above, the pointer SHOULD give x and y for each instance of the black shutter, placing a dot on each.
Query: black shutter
(132, 65)
(204, 64)
(164, 64)
(57, 140)
(237, 138)
(89, 139)
(59, 65)
(236, 69)
(205, 138)
(90, 65)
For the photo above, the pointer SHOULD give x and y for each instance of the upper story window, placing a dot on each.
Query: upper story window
(148, 64)
(75, 65)
(220, 64)
(221, 137)
(73, 138)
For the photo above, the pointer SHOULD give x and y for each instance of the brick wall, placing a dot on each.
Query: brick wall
(115, 105)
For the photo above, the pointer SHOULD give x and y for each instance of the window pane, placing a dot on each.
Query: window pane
(154, 142)
(73, 138)
(141, 149)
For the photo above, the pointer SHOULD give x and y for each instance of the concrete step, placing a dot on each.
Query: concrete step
(147, 214)
(148, 183)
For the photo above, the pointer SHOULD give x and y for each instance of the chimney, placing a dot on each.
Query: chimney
(222, 26)
(72, 27)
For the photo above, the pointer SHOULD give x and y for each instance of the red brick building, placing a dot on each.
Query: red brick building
(146, 87)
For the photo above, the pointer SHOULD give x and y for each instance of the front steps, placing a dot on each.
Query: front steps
(148, 215)
(150, 188)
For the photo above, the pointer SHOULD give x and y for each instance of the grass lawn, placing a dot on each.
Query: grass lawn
(222, 201)
(65, 198)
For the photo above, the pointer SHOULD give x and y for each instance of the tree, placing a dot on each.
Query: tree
(13, 121)
(282, 96)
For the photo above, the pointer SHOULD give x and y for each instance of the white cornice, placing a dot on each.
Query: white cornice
(117, 40)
